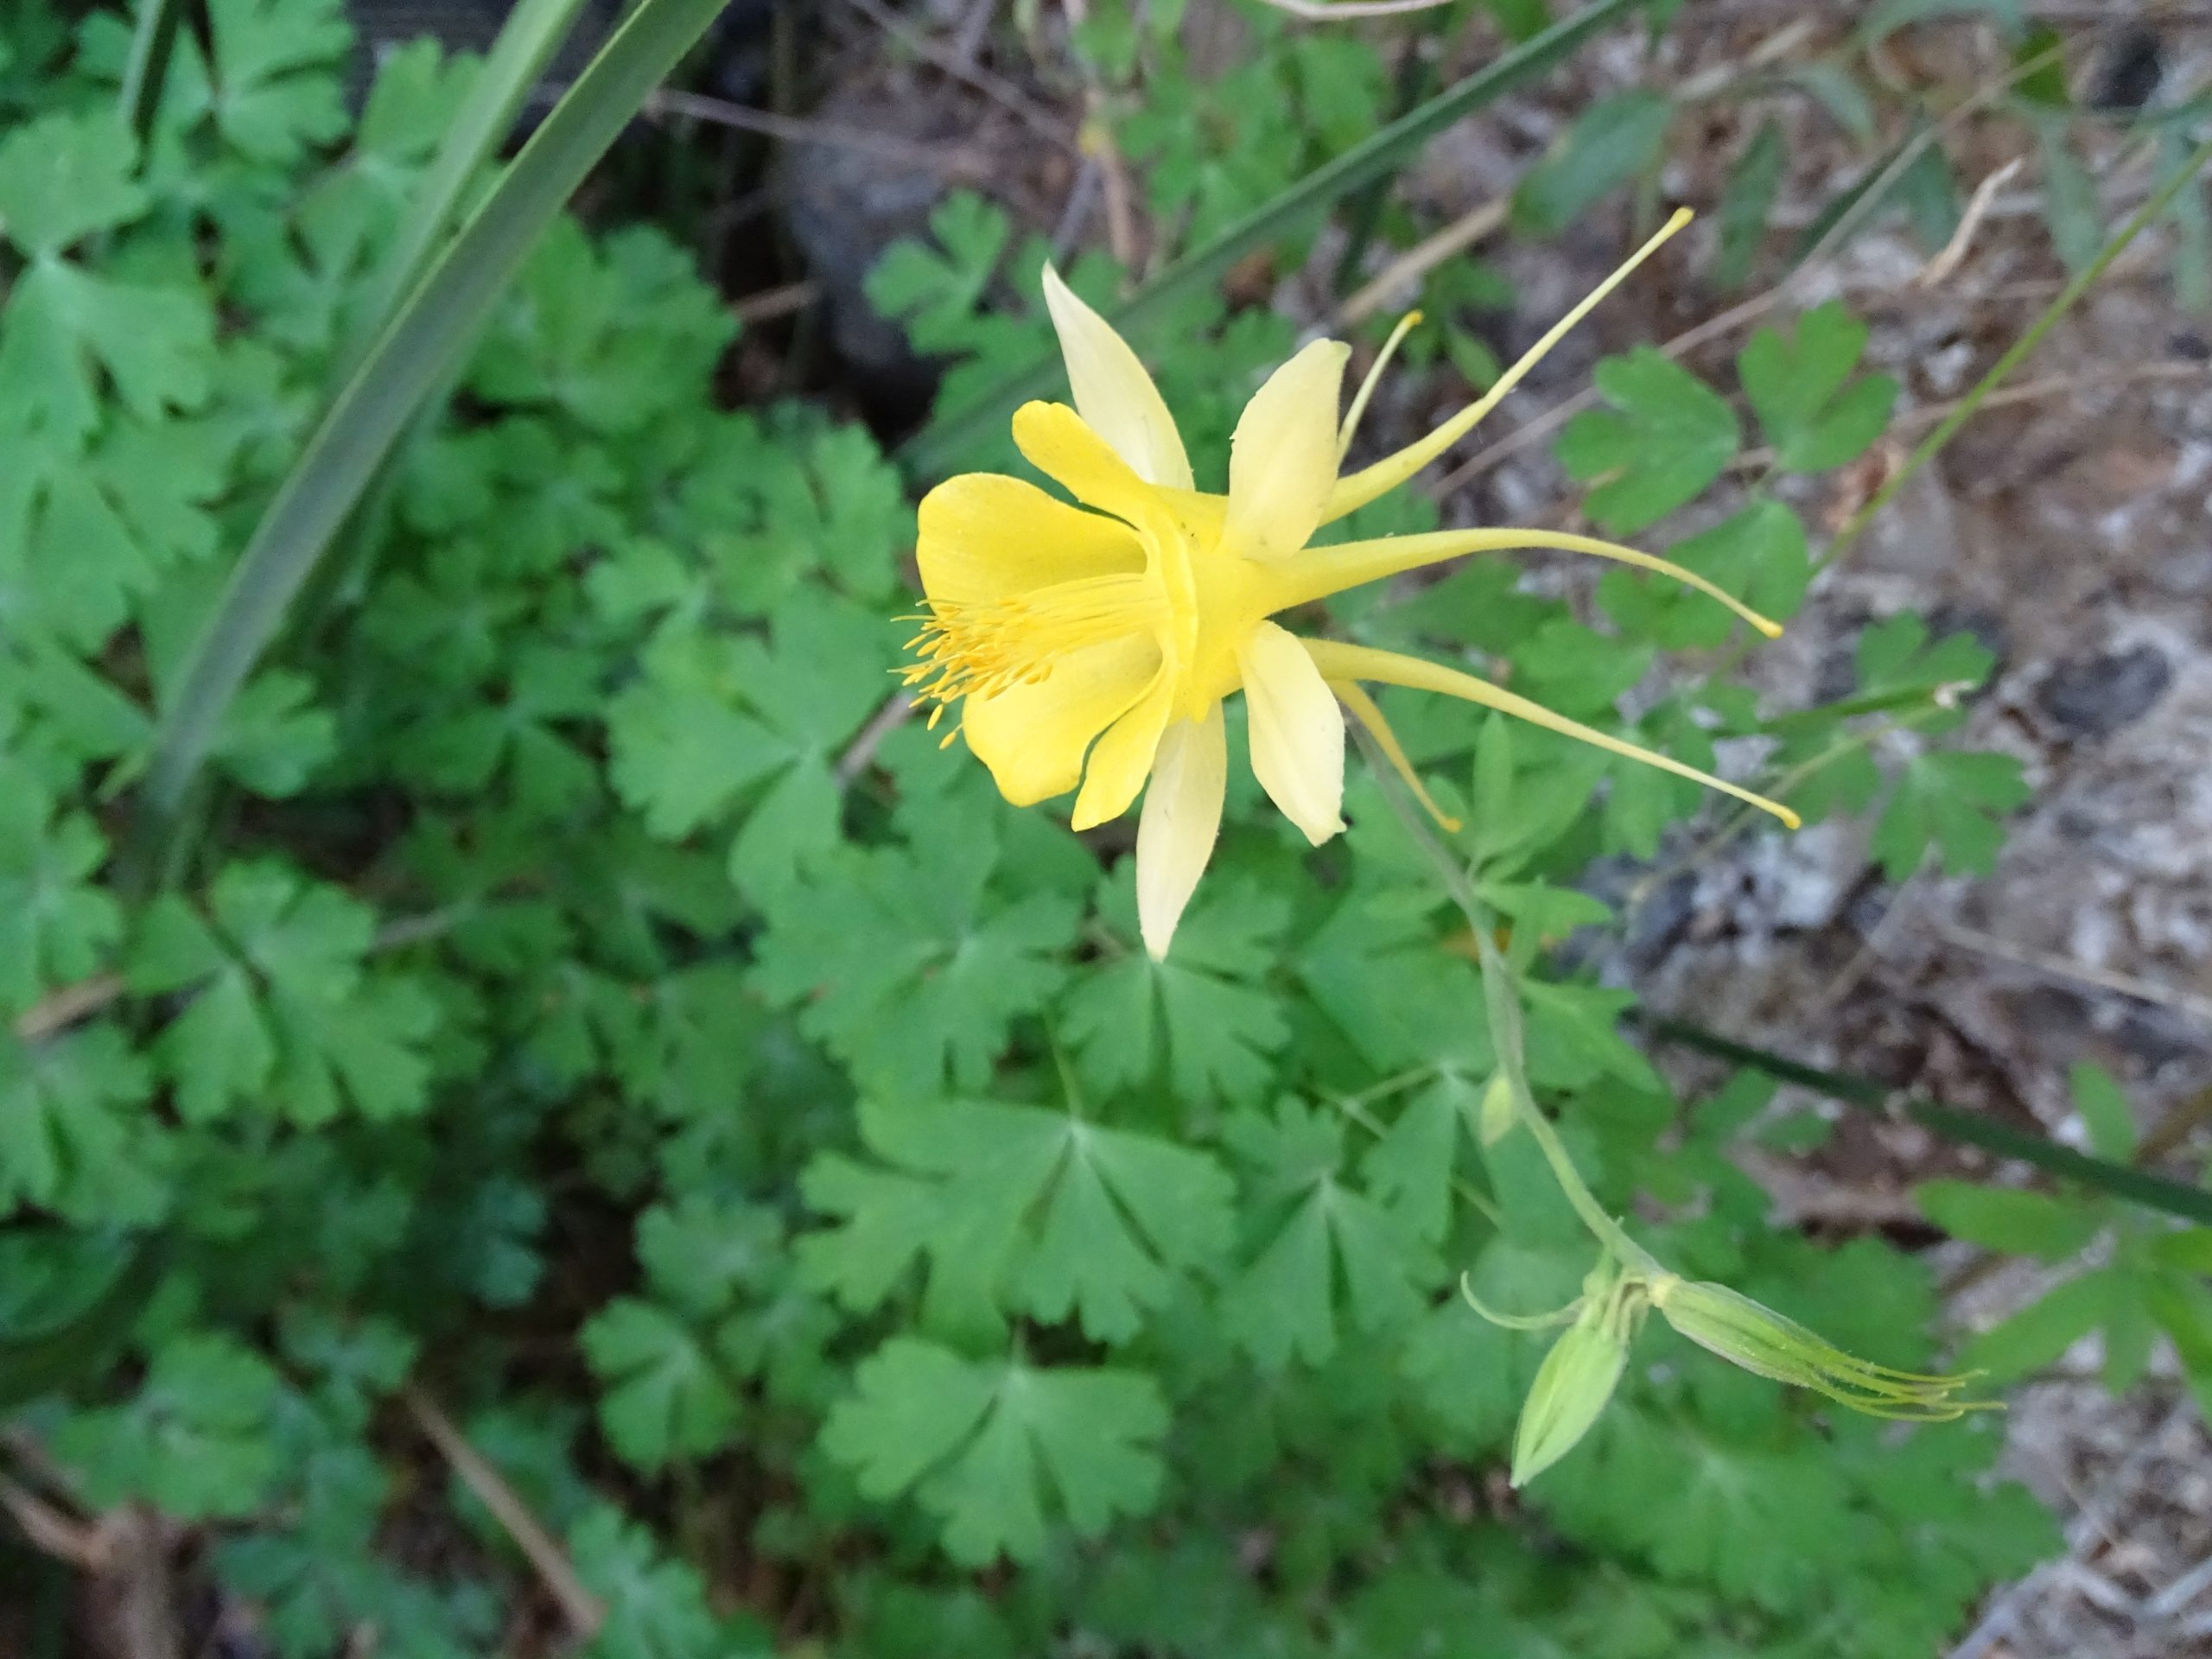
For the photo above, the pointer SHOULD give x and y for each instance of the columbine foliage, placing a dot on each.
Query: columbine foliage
(572, 966)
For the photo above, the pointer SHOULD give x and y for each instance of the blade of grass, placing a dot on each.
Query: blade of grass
(929, 452)
(146, 72)
(526, 42)
(424, 342)
(1968, 1128)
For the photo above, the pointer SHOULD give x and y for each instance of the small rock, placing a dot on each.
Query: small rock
(1660, 920)
(1986, 626)
(2132, 67)
(2095, 696)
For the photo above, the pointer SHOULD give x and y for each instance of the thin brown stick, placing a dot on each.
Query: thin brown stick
(897, 709)
(77, 1543)
(1097, 146)
(717, 111)
(1329, 11)
(774, 302)
(66, 1007)
(1535, 431)
(999, 90)
(1408, 268)
(2027, 391)
(2059, 967)
(1938, 270)
(583, 1610)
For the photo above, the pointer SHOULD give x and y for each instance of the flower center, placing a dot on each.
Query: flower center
(979, 648)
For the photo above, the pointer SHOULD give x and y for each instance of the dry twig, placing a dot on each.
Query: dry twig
(1938, 270)
(583, 1610)
(962, 67)
(1323, 11)
(2045, 961)
(1406, 270)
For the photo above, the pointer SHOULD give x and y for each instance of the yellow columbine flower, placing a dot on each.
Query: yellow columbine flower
(1115, 629)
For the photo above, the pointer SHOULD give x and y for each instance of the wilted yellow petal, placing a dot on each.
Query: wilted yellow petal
(1297, 731)
(1388, 473)
(982, 536)
(1343, 662)
(1113, 393)
(1181, 819)
(1123, 756)
(1033, 737)
(1283, 461)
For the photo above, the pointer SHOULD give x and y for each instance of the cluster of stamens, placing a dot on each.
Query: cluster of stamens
(982, 648)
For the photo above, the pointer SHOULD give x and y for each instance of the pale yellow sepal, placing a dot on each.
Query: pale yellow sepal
(1282, 462)
(1115, 396)
(1297, 734)
(1181, 822)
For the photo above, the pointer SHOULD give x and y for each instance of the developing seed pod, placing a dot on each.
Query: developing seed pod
(1576, 1381)
(1745, 1333)
(1494, 1118)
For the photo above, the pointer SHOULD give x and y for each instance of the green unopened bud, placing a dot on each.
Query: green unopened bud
(1494, 1117)
(1759, 1339)
(1576, 1379)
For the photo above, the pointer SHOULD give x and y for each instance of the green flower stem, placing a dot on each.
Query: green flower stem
(2160, 199)
(1502, 1001)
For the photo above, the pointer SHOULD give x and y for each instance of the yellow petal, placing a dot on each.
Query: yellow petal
(1343, 662)
(1123, 756)
(1057, 443)
(1113, 393)
(1282, 463)
(1297, 734)
(1033, 737)
(1363, 710)
(1388, 473)
(982, 537)
(1181, 819)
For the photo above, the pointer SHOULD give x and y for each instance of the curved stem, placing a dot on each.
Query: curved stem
(1503, 1003)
